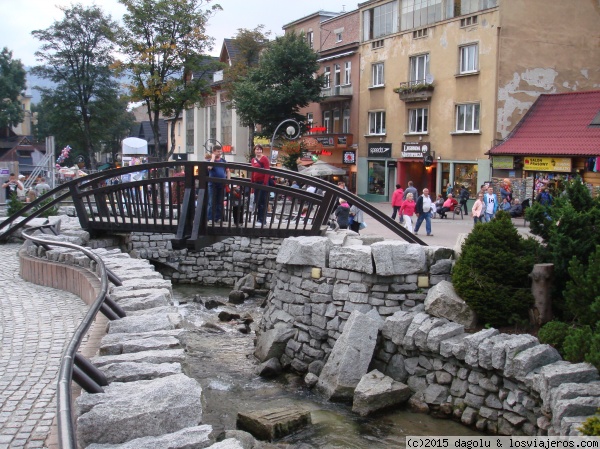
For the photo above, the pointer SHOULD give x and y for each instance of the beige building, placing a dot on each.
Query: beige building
(442, 81)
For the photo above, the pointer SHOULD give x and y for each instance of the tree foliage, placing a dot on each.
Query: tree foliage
(76, 55)
(569, 229)
(491, 274)
(12, 83)
(283, 82)
(163, 41)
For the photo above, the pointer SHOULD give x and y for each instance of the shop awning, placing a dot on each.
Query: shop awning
(556, 125)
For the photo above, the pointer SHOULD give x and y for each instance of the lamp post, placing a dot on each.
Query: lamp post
(293, 132)
(215, 142)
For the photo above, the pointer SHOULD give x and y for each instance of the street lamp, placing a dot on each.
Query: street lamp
(292, 131)
(209, 150)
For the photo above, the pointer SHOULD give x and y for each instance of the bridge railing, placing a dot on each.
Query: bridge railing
(181, 198)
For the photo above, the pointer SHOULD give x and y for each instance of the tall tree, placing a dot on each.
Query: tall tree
(162, 42)
(283, 82)
(76, 54)
(248, 44)
(12, 83)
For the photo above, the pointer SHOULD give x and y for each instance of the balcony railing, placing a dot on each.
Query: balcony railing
(337, 91)
(417, 90)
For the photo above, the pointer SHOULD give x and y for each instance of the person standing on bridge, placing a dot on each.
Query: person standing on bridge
(260, 161)
(216, 190)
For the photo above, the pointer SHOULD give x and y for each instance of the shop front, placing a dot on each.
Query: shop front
(418, 165)
(381, 172)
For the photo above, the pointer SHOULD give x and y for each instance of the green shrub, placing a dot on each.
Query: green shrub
(554, 333)
(52, 211)
(582, 294)
(591, 426)
(14, 204)
(577, 344)
(492, 272)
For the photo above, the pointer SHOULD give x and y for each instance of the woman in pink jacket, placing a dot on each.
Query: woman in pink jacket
(397, 201)
(477, 209)
(407, 210)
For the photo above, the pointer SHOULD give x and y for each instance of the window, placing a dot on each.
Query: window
(376, 178)
(226, 123)
(310, 118)
(377, 122)
(377, 44)
(418, 120)
(377, 74)
(212, 126)
(419, 68)
(337, 77)
(380, 21)
(336, 120)
(469, 58)
(468, 21)
(347, 72)
(310, 39)
(327, 77)
(189, 130)
(419, 13)
(467, 118)
(346, 122)
(417, 34)
(327, 121)
(338, 37)
(462, 7)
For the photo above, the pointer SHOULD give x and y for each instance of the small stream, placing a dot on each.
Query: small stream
(220, 358)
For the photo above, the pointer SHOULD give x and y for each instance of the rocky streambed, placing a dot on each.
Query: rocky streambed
(220, 358)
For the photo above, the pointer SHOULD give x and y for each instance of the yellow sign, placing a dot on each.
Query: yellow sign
(556, 164)
(503, 162)
(261, 141)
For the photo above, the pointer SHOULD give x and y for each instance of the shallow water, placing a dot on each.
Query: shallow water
(220, 358)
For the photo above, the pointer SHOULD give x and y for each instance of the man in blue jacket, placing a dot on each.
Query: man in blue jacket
(216, 190)
(490, 205)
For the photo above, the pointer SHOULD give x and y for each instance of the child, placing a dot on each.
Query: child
(342, 214)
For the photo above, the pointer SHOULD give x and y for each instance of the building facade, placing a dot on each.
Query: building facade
(442, 81)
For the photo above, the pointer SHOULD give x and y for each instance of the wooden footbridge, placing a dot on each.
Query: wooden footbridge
(174, 197)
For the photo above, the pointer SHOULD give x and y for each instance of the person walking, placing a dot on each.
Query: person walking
(423, 210)
(407, 210)
(342, 214)
(463, 197)
(490, 201)
(449, 189)
(260, 161)
(397, 198)
(477, 209)
(216, 190)
(410, 189)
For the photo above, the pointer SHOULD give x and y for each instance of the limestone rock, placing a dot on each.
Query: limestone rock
(444, 332)
(311, 380)
(132, 372)
(354, 258)
(138, 409)
(272, 424)
(435, 394)
(112, 344)
(395, 326)
(375, 391)
(443, 302)
(163, 356)
(247, 281)
(272, 343)
(532, 358)
(395, 257)
(349, 358)
(145, 323)
(308, 251)
(189, 438)
(236, 297)
(270, 368)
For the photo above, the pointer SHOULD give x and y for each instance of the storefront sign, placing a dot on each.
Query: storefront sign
(325, 141)
(349, 157)
(556, 164)
(380, 150)
(415, 149)
(503, 162)
(342, 140)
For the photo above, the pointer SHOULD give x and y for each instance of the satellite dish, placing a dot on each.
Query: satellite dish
(429, 78)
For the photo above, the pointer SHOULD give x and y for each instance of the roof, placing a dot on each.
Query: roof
(563, 124)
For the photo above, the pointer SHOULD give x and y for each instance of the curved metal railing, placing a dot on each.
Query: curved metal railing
(66, 430)
(169, 201)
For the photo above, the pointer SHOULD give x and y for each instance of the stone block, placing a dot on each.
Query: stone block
(375, 391)
(272, 424)
(393, 257)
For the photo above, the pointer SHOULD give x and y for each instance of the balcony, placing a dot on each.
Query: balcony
(419, 90)
(336, 93)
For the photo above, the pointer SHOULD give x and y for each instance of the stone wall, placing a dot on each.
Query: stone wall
(498, 383)
(221, 264)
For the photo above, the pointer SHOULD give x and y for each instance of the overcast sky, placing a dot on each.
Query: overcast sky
(20, 17)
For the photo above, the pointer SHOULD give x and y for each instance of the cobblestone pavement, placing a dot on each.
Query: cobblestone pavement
(36, 323)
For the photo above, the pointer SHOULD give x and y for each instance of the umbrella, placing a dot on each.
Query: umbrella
(133, 145)
(321, 168)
